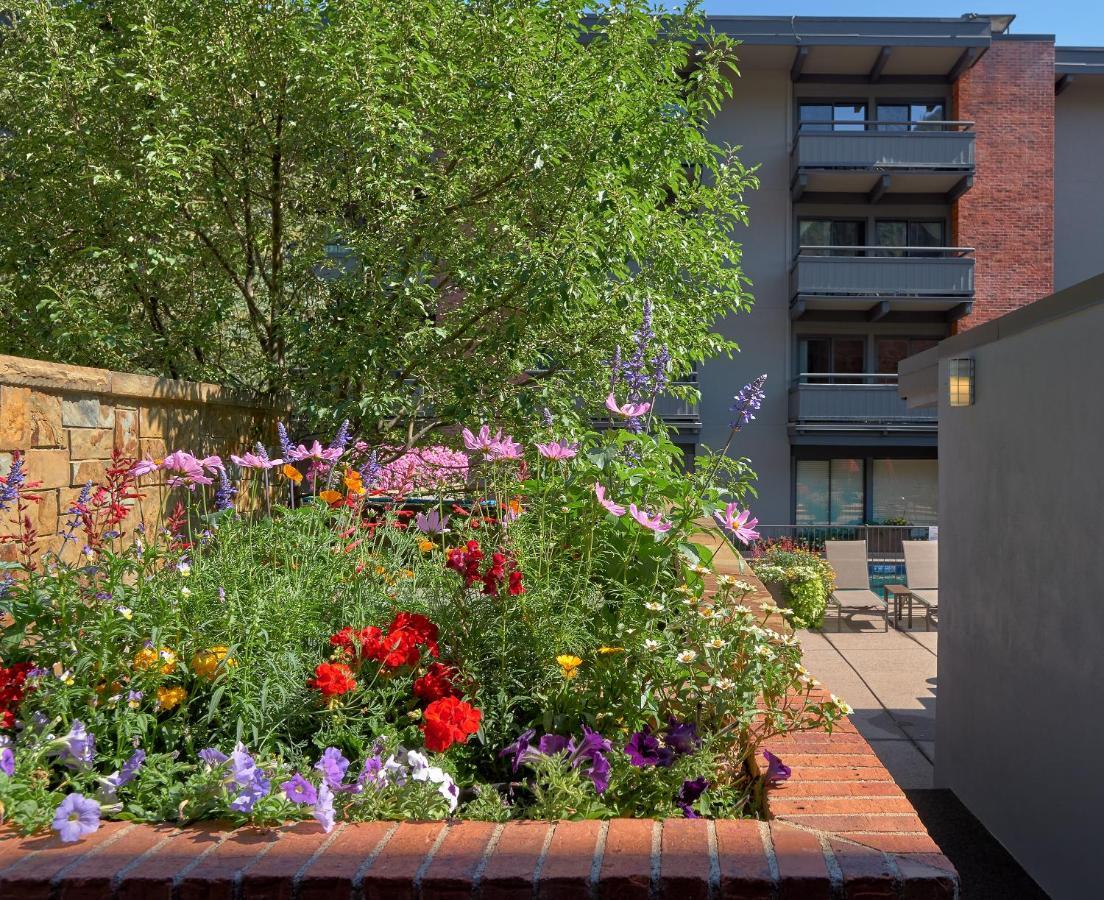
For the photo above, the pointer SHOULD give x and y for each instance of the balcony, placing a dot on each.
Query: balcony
(876, 283)
(825, 404)
(882, 161)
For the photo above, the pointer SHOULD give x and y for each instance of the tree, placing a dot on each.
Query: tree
(399, 210)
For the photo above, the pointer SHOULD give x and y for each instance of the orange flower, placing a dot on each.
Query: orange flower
(293, 473)
(333, 498)
(353, 482)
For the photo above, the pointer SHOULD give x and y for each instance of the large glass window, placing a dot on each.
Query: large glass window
(910, 116)
(905, 490)
(888, 351)
(831, 355)
(911, 233)
(838, 233)
(829, 492)
(832, 116)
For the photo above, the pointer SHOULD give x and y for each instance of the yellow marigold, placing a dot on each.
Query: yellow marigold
(148, 657)
(205, 663)
(606, 651)
(170, 698)
(570, 665)
(426, 546)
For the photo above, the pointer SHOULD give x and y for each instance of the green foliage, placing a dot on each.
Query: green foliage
(387, 207)
(806, 577)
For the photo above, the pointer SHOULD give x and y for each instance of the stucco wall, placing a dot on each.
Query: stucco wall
(67, 420)
(758, 118)
(1078, 182)
(1021, 655)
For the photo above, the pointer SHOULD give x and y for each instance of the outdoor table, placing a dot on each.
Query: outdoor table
(898, 591)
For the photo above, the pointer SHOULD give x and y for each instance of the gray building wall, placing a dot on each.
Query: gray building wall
(1078, 181)
(1021, 657)
(758, 118)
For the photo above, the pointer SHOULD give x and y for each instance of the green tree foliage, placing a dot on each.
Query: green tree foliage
(399, 210)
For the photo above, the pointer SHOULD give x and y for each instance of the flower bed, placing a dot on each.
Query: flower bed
(292, 642)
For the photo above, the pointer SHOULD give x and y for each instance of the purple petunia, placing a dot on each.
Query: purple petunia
(125, 775)
(518, 749)
(777, 771)
(214, 758)
(75, 817)
(323, 811)
(644, 749)
(588, 755)
(690, 791)
(682, 737)
(77, 748)
(7, 761)
(333, 766)
(298, 790)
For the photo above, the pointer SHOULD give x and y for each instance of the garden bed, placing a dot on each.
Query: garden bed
(841, 828)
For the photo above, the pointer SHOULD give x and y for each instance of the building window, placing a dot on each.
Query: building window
(911, 233)
(906, 491)
(831, 356)
(836, 233)
(832, 116)
(889, 351)
(910, 116)
(829, 492)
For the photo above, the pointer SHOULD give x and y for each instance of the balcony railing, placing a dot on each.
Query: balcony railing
(868, 271)
(883, 145)
(864, 401)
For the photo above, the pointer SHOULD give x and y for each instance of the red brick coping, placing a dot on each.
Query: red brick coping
(842, 828)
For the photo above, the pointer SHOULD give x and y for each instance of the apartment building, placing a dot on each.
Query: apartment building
(919, 177)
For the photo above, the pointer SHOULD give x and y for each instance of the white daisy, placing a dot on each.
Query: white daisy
(653, 606)
(687, 657)
(715, 644)
(651, 645)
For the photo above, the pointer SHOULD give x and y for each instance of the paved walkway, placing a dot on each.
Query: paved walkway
(889, 678)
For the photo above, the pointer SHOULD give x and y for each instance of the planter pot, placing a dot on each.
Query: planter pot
(777, 590)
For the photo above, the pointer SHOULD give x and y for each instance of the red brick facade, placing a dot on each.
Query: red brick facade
(1008, 215)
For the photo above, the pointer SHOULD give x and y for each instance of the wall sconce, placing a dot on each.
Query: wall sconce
(961, 382)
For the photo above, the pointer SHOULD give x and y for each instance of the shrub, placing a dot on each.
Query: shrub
(806, 579)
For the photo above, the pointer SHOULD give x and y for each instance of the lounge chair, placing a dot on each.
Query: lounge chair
(922, 575)
(849, 561)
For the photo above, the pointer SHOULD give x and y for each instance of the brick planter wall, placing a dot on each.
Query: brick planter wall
(68, 419)
(842, 828)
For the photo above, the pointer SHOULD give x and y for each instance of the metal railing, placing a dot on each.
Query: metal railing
(885, 147)
(868, 398)
(883, 542)
(879, 251)
(882, 126)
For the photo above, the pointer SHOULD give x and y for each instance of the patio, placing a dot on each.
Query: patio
(890, 680)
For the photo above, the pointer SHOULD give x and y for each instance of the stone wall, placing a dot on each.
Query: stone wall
(69, 419)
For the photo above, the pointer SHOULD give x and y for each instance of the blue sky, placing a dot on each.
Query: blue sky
(1076, 23)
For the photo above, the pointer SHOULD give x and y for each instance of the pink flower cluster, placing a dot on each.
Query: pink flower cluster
(184, 468)
(429, 469)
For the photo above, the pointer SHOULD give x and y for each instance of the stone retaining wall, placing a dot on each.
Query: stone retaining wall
(69, 419)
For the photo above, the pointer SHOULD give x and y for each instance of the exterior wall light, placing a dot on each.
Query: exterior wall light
(961, 382)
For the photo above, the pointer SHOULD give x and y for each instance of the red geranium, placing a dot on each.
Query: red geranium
(11, 691)
(436, 683)
(333, 679)
(398, 648)
(449, 721)
(417, 625)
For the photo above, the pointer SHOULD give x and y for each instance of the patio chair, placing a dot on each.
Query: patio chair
(922, 575)
(849, 561)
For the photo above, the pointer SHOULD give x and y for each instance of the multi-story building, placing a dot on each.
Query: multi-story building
(918, 177)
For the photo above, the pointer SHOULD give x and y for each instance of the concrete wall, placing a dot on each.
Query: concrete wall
(1078, 182)
(1021, 657)
(759, 118)
(67, 420)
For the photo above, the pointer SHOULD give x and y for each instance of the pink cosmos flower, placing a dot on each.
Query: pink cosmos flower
(187, 470)
(609, 506)
(739, 523)
(654, 523)
(144, 467)
(316, 451)
(507, 448)
(483, 441)
(558, 450)
(253, 461)
(629, 410)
